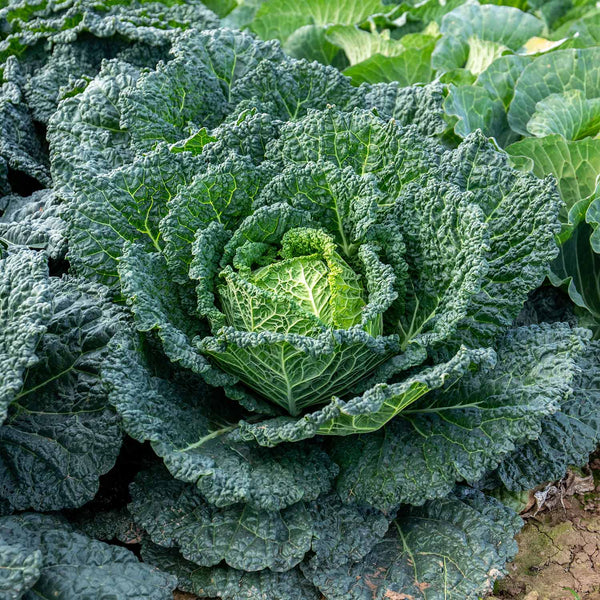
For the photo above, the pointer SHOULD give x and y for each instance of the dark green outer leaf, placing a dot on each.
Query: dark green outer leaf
(293, 87)
(58, 22)
(175, 514)
(85, 132)
(19, 568)
(414, 105)
(125, 205)
(35, 222)
(25, 307)
(75, 567)
(157, 305)
(227, 583)
(61, 434)
(460, 432)
(451, 549)
(222, 194)
(568, 437)
(19, 143)
(521, 212)
(176, 419)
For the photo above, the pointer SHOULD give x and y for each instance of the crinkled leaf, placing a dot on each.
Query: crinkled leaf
(183, 107)
(519, 210)
(126, 205)
(292, 87)
(360, 140)
(25, 308)
(157, 306)
(568, 437)
(227, 583)
(135, 20)
(20, 568)
(175, 514)
(19, 142)
(367, 412)
(60, 44)
(460, 432)
(316, 366)
(223, 193)
(177, 420)
(61, 434)
(521, 214)
(74, 567)
(116, 524)
(449, 549)
(228, 55)
(338, 199)
(419, 106)
(35, 222)
(69, 66)
(343, 533)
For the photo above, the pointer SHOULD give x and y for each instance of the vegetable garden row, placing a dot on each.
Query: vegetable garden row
(297, 299)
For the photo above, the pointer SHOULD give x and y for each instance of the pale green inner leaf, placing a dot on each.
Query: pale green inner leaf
(482, 53)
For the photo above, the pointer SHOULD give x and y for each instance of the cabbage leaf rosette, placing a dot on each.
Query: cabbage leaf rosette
(366, 250)
(350, 280)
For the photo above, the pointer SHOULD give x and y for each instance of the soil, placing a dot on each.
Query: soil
(559, 547)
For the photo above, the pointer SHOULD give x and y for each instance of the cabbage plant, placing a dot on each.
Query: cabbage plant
(323, 291)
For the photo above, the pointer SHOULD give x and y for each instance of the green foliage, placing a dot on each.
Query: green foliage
(43, 556)
(59, 433)
(454, 433)
(473, 36)
(427, 553)
(36, 222)
(294, 273)
(543, 103)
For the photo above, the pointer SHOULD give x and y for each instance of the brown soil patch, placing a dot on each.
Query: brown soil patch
(559, 548)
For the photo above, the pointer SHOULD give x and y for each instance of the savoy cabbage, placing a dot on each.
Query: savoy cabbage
(52, 48)
(300, 296)
(323, 292)
(524, 73)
